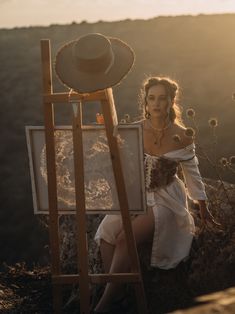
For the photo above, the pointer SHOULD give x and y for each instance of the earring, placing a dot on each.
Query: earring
(147, 115)
(146, 112)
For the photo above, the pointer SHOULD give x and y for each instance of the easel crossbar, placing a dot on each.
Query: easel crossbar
(66, 97)
(97, 278)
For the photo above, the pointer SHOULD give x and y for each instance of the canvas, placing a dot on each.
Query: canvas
(100, 189)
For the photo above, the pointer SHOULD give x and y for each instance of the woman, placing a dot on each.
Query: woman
(168, 222)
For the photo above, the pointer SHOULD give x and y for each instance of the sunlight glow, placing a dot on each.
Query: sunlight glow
(16, 13)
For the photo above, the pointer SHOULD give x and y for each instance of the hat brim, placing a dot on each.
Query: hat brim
(84, 82)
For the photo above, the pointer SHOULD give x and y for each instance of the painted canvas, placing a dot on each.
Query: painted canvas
(100, 188)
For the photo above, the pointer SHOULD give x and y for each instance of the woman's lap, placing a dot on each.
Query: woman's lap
(111, 228)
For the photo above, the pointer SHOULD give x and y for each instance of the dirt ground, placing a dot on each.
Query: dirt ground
(24, 290)
(210, 268)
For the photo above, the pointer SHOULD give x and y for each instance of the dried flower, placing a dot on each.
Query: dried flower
(190, 113)
(176, 138)
(127, 117)
(232, 160)
(189, 132)
(223, 161)
(213, 122)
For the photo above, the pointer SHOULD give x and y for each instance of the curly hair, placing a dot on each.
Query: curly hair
(172, 90)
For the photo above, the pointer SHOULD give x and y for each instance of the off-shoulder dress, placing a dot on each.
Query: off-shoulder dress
(174, 224)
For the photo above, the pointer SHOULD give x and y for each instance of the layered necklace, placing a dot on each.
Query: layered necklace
(158, 133)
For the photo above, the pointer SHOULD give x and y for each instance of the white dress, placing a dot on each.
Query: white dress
(174, 225)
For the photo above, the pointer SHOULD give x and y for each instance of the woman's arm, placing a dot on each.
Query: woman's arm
(192, 177)
(196, 188)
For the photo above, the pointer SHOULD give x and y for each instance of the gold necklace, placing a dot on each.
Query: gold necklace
(158, 138)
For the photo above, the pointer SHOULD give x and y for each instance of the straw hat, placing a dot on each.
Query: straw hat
(93, 62)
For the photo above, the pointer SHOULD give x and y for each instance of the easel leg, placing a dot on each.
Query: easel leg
(57, 299)
(80, 211)
(52, 184)
(109, 113)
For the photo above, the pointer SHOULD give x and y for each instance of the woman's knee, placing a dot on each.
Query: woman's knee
(121, 241)
(105, 243)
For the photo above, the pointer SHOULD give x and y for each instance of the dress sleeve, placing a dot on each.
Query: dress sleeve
(194, 184)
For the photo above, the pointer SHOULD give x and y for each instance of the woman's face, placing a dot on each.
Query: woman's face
(157, 101)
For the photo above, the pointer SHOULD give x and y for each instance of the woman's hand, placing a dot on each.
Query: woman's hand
(208, 221)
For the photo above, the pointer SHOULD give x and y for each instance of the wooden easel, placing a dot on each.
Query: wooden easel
(83, 278)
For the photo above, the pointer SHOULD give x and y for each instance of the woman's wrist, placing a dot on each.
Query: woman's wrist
(202, 203)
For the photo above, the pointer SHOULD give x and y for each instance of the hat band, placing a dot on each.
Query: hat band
(100, 64)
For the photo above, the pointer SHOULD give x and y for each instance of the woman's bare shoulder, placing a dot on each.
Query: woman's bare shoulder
(180, 130)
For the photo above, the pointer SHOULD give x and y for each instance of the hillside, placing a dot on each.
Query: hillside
(196, 51)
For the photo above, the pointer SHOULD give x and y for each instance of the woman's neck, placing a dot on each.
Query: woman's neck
(159, 124)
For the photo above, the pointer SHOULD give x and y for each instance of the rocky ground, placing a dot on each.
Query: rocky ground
(25, 291)
(210, 268)
(29, 291)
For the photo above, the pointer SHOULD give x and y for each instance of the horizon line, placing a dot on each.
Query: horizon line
(116, 21)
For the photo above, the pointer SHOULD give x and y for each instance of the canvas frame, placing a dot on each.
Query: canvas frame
(40, 194)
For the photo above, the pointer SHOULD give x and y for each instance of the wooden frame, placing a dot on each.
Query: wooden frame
(109, 113)
(131, 150)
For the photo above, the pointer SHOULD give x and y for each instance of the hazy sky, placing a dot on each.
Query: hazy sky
(45, 12)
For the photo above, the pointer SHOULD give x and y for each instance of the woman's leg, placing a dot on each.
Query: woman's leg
(107, 251)
(143, 229)
(109, 229)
